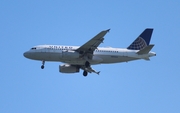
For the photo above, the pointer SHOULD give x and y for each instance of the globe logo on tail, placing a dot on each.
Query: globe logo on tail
(138, 44)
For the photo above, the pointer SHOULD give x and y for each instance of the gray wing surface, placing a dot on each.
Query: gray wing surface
(92, 44)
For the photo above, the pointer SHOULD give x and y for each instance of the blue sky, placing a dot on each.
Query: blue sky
(138, 86)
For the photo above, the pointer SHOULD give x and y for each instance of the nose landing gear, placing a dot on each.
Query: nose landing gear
(43, 62)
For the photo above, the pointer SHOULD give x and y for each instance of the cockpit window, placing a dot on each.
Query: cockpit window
(33, 48)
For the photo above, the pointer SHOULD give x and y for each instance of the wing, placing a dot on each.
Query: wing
(92, 44)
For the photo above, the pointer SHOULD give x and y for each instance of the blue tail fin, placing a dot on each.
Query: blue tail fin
(142, 41)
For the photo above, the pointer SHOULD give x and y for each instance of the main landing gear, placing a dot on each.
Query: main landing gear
(85, 73)
(43, 62)
(87, 65)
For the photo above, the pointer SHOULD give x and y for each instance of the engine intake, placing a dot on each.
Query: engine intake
(66, 68)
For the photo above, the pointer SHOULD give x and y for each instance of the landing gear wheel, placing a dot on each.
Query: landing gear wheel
(85, 73)
(42, 67)
(43, 62)
(87, 64)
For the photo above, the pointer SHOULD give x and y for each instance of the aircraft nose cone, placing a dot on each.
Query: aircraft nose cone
(26, 54)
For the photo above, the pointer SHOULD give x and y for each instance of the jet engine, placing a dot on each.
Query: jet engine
(70, 54)
(66, 68)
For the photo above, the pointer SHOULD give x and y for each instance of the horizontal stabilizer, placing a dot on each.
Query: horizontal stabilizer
(145, 50)
(147, 59)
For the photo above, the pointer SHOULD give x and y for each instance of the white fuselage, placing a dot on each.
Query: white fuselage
(67, 54)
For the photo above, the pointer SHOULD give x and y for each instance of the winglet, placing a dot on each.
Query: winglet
(145, 50)
(98, 72)
(108, 30)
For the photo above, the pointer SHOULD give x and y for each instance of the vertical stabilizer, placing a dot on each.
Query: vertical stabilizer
(142, 40)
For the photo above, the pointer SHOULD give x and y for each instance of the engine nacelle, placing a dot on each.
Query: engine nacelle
(70, 54)
(66, 68)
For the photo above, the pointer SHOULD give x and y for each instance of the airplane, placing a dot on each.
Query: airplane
(82, 57)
